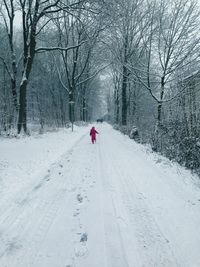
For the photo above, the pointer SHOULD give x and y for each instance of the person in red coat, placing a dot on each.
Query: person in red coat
(93, 133)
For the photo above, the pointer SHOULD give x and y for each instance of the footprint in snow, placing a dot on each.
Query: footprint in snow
(81, 250)
(37, 186)
(76, 214)
(84, 237)
(47, 177)
(12, 246)
(79, 233)
(192, 203)
(79, 198)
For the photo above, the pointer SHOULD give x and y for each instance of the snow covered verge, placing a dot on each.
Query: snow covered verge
(68, 203)
(188, 176)
(22, 159)
(187, 158)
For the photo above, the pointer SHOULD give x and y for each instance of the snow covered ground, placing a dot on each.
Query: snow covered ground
(67, 203)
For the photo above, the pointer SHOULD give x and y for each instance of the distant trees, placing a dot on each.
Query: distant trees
(126, 34)
(76, 29)
(35, 17)
(8, 61)
(170, 50)
(149, 48)
(76, 64)
(153, 42)
(173, 46)
(155, 48)
(10, 65)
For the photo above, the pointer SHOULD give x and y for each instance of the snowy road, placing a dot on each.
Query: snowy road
(111, 204)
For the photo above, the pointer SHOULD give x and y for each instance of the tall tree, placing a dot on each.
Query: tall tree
(8, 14)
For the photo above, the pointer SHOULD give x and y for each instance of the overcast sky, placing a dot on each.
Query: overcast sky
(18, 20)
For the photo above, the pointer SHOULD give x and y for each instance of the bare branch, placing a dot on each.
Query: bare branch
(45, 49)
(94, 75)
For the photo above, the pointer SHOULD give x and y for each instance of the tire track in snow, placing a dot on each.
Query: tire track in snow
(115, 249)
(149, 237)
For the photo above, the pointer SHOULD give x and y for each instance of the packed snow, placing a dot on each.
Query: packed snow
(68, 203)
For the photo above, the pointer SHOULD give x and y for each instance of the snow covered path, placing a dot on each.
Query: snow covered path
(111, 204)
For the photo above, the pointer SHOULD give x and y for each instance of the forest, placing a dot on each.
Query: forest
(132, 63)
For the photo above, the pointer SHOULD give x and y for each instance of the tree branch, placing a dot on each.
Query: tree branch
(45, 49)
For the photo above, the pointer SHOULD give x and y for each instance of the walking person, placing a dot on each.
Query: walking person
(93, 133)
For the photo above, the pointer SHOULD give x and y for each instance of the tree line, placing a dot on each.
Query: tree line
(48, 61)
(156, 75)
(50, 68)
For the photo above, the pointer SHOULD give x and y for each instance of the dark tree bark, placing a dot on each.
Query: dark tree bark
(124, 95)
(124, 82)
(29, 54)
(159, 117)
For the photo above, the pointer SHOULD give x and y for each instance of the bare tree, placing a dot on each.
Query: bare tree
(75, 68)
(8, 14)
(172, 45)
(129, 20)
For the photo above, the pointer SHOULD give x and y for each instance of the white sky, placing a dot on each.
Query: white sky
(18, 19)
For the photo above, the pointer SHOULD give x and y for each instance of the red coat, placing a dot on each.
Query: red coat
(93, 133)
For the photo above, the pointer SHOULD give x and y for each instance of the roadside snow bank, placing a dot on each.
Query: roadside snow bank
(28, 157)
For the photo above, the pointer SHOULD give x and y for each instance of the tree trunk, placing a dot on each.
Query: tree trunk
(124, 84)
(124, 96)
(14, 93)
(28, 63)
(116, 103)
(22, 120)
(159, 108)
(71, 107)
